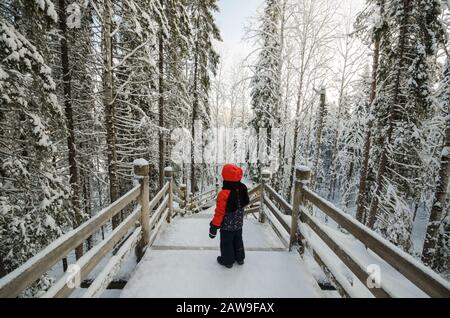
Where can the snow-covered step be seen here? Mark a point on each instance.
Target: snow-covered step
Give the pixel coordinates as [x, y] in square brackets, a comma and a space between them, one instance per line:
[193, 231]
[195, 273]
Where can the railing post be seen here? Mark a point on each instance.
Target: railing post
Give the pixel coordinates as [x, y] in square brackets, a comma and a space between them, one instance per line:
[141, 171]
[265, 175]
[302, 177]
[168, 175]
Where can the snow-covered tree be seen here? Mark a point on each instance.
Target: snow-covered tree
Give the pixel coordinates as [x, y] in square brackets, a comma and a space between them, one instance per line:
[265, 84]
[403, 103]
[34, 200]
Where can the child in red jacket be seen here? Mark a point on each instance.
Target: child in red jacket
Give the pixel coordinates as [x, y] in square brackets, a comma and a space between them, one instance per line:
[229, 216]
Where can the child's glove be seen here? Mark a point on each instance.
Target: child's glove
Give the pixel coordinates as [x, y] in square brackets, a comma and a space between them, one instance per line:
[212, 230]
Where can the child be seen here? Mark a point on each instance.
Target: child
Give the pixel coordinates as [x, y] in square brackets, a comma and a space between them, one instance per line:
[229, 216]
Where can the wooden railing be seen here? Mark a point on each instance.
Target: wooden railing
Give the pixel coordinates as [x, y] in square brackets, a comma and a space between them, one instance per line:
[287, 219]
[137, 231]
[199, 201]
[141, 227]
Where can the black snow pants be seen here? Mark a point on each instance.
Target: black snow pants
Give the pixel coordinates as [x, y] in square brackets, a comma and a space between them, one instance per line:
[231, 246]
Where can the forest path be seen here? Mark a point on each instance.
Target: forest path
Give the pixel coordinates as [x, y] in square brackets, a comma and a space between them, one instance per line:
[182, 264]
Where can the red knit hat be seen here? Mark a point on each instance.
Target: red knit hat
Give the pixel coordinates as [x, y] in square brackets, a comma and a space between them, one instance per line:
[232, 173]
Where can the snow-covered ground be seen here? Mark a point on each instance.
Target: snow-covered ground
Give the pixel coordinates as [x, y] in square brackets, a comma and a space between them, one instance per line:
[183, 263]
[196, 273]
[193, 231]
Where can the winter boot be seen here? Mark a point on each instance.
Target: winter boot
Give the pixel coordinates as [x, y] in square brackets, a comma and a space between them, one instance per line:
[219, 260]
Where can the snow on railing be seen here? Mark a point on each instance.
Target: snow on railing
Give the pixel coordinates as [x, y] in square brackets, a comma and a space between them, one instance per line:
[284, 219]
[143, 232]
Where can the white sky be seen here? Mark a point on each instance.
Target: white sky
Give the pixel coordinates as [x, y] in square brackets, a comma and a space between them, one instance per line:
[232, 19]
[234, 15]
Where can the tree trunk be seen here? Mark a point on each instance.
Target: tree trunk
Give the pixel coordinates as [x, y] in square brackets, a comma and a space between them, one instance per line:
[73, 167]
[296, 127]
[384, 154]
[318, 137]
[194, 115]
[161, 108]
[333, 172]
[362, 191]
[440, 196]
[278, 176]
[108, 102]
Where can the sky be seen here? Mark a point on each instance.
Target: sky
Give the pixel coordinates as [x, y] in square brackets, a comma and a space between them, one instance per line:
[232, 18]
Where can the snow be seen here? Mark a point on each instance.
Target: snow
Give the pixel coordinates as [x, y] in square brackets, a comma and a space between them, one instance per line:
[74, 17]
[391, 280]
[446, 152]
[303, 168]
[109, 293]
[140, 162]
[179, 274]
[193, 231]
[3, 74]
[50, 8]
[50, 222]
[39, 130]
[182, 263]
[388, 244]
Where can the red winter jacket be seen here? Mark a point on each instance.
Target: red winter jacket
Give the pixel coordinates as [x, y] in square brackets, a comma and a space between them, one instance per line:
[231, 173]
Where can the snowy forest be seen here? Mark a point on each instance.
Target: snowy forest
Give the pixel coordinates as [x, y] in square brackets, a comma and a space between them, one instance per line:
[361, 97]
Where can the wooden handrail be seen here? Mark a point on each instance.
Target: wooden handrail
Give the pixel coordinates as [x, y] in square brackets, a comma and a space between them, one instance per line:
[21, 278]
[89, 260]
[162, 193]
[15, 282]
[423, 277]
[201, 195]
[112, 268]
[277, 215]
[157, 214]
[343, 255]
[164, 213]
[279, 199]
[254, 190]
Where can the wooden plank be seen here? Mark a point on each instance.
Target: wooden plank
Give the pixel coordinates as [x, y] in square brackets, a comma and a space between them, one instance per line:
[106, 276]
[115, 284]
[252, 210]
[15, 282]
[179, 211]
[274, 211]
[157, 214]
[255, 199]
[348, 260]
[155, 232]
[278, 228]
[89, 260]
[177, 199]
[207, 203]
[202, 195]
[424, 278]
[144, 215]
[154, 202]
[254, 190]
[279, 199]
[341, 290]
